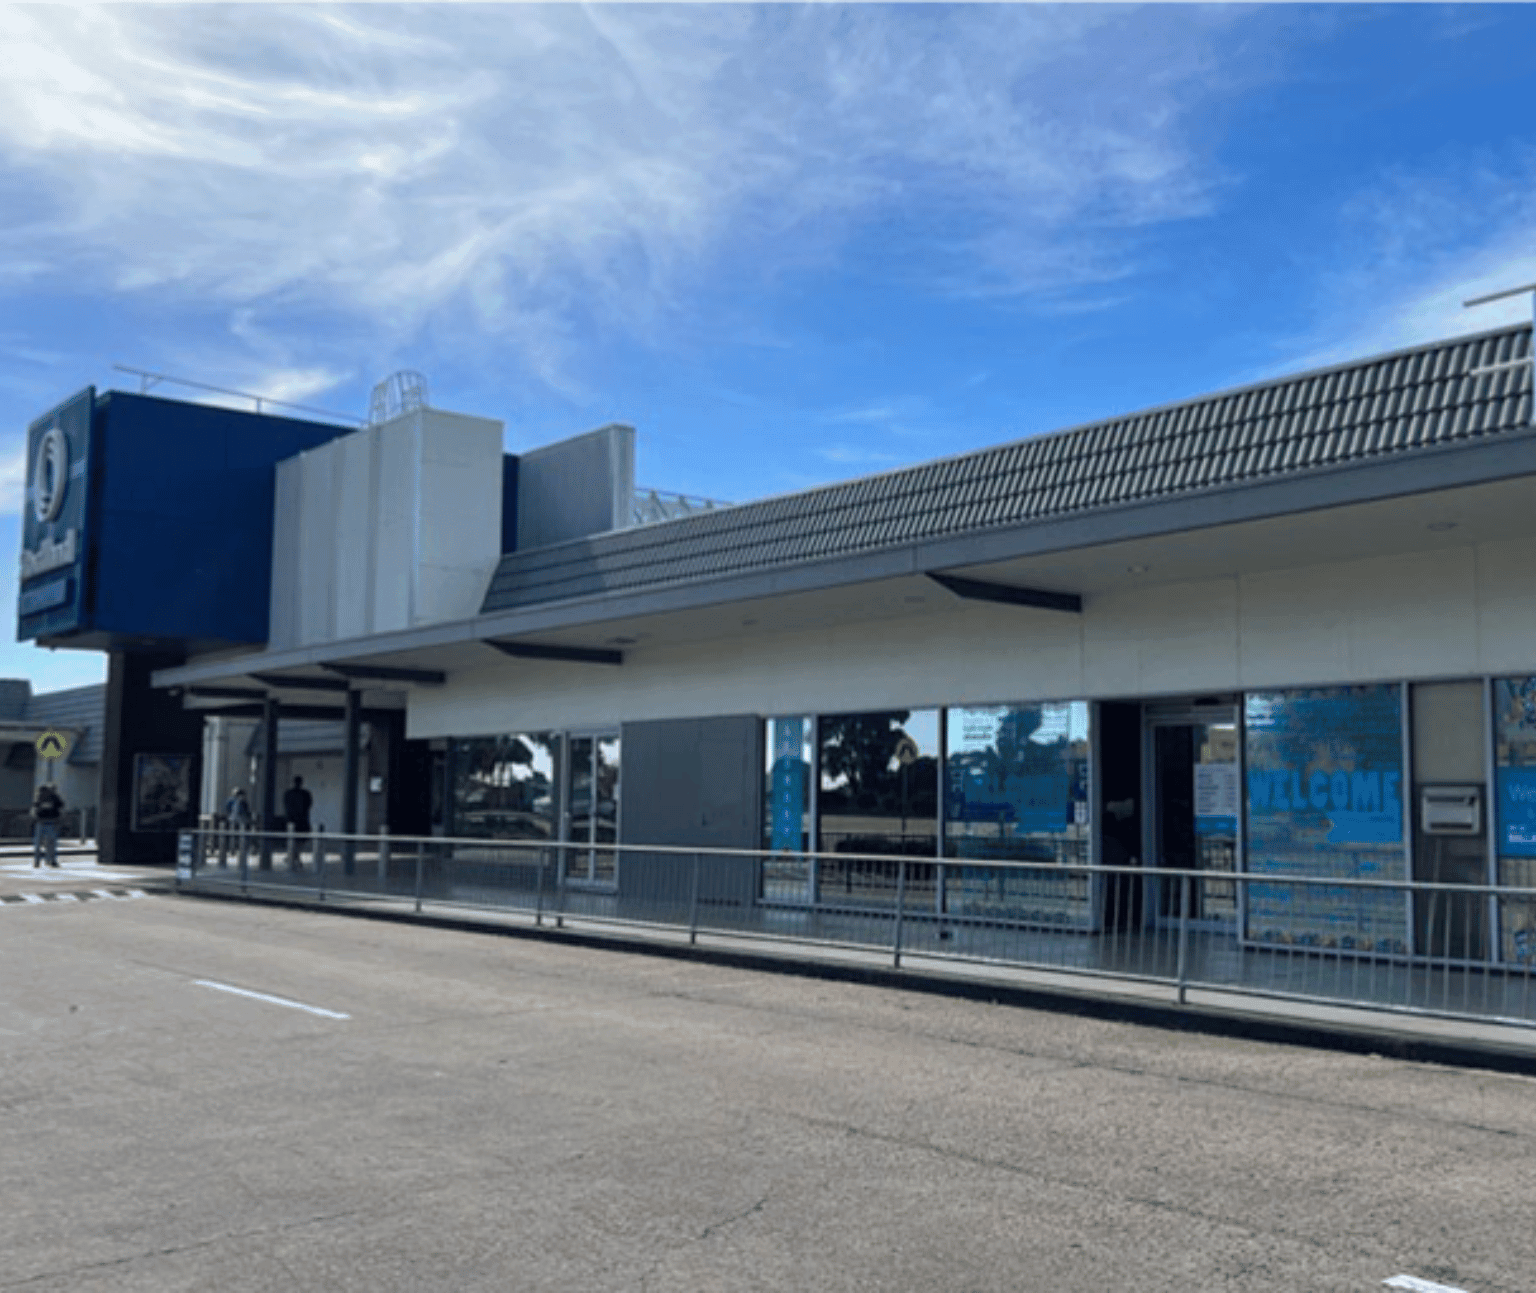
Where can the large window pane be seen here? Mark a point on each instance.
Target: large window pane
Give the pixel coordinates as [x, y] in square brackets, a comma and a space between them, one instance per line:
[1514, 701]
[878, 793]
[1325, 782]
[605, 808]
[1016, 789]
[504, 786]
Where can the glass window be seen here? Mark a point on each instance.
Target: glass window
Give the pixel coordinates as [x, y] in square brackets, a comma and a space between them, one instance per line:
[878, 793]
[1016, 789]
[1325, 784]
[504, 786]
[593, 791]
[1514, 721]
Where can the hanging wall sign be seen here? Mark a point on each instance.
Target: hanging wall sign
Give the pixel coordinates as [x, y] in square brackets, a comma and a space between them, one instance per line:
[53, 522]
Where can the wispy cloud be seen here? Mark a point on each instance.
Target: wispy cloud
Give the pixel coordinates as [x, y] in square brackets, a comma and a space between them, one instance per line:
[532, 173]
[13, 480]
[848, 455]
[1419, 244]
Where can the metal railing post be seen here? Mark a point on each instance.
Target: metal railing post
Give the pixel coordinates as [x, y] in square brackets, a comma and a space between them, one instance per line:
[560, 890]
[901, 912]
[319, 838]
[383, 863]
[693, 902]
[418, 879]
[540, 855]
[1183, 961]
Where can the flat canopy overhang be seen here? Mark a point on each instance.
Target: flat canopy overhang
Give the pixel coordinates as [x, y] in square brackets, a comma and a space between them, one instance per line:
[1445, 497]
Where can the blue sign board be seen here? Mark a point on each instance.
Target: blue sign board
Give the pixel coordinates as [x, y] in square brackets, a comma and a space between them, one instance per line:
[55, 512]
[1517, 812]
[787, 810]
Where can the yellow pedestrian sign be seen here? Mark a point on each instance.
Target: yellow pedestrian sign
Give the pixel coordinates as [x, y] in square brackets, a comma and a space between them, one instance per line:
[52, 745]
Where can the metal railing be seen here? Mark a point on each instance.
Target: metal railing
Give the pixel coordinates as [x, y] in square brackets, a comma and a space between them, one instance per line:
[76, 825]
[1446, 950]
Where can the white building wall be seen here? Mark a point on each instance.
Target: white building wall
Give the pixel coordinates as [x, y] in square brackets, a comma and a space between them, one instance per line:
[226, 761]
[397, 526]
[1452, 613]
[388, 528]
[1506, 605]
[353, 531]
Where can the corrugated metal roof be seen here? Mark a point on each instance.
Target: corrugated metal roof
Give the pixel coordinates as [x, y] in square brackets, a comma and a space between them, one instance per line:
[1470, 388]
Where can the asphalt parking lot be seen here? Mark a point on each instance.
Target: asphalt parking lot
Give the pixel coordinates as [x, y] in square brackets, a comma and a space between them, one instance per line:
[207, 1095]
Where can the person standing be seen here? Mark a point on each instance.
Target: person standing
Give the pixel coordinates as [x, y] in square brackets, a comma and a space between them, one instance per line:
[47, 809]
[237, 812]
[297, 802]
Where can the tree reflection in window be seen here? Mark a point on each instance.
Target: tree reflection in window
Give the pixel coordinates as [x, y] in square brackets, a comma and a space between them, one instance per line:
[504, 787]
[879, 778]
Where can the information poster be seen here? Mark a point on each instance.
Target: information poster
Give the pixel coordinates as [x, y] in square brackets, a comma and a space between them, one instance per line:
[1514, 705]
[162, 792]
[1325, 786]
[1217, 798]
[788, 777]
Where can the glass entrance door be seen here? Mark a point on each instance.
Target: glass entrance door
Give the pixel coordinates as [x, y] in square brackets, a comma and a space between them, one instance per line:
[1194, 768]
[592, 812]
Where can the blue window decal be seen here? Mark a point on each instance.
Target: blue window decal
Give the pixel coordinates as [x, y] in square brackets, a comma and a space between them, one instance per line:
[1325, 800]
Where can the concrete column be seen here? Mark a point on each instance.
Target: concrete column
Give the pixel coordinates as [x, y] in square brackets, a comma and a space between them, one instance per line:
[269, 802]
[142, 719]
[352, 758]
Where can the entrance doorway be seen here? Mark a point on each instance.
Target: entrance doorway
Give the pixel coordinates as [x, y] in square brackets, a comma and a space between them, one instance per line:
[1119, 778]
[1195, 799]
[592, 809]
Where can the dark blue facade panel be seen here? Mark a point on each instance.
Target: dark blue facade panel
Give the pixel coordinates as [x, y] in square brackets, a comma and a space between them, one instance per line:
[180, 525]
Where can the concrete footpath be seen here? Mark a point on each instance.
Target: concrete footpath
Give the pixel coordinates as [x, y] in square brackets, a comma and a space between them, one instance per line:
[78, 873]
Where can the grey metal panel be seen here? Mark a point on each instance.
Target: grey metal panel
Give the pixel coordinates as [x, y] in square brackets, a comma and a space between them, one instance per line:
[692, 782]
[15, 696]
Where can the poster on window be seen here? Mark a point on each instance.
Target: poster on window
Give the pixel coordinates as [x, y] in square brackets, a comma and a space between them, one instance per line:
[788, 777]
[162, 792]
[1325, 787]
[1016, 791]
[1514, 726]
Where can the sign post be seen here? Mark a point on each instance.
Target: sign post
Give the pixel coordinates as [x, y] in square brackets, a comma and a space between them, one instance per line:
[51, 746]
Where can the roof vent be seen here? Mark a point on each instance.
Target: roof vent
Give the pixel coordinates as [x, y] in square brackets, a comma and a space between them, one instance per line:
[402, 392]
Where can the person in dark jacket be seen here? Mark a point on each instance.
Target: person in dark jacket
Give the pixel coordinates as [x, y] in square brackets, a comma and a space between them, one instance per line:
[297, 803]
[47, 809]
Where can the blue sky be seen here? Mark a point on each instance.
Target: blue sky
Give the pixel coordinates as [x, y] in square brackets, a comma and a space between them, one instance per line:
[790, 244]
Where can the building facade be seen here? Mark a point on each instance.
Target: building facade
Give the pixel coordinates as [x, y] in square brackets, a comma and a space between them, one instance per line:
[1286, 631]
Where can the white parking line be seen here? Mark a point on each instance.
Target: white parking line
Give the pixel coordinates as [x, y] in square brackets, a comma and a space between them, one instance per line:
[276, 1001]
[1416, 1285]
